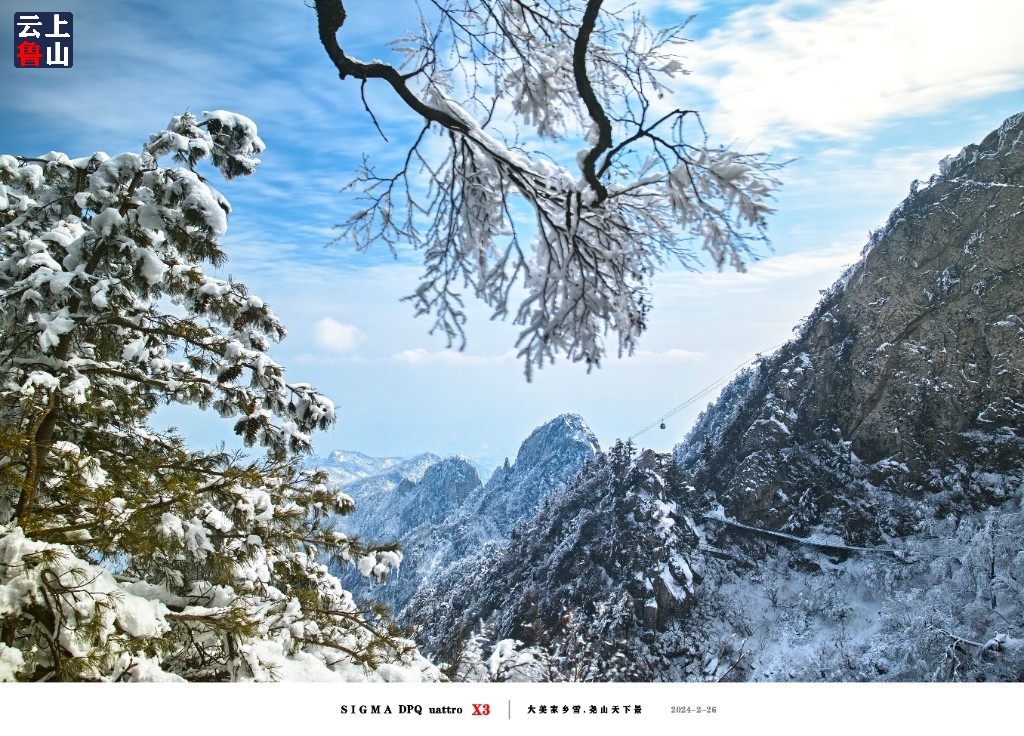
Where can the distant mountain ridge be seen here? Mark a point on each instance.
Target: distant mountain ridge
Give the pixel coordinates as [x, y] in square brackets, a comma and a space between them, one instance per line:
[445, 513]
[347, 466]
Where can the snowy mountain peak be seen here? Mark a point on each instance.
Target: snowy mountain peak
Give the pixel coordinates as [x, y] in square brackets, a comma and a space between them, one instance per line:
[447, 514]
[439, 494]
[563, 429]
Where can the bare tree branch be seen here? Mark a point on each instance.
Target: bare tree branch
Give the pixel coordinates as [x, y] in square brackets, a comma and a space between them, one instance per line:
[331, 17]
[586, 90]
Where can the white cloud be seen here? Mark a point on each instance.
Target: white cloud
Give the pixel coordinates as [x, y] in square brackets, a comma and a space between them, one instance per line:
[876, 173]
[422, 356]
[672, 355]
[821, 67]
[830, 260]
[822, 265]
[652, 7]
[337, 337]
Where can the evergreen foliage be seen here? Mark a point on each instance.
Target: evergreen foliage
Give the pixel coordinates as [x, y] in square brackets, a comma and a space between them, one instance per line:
[124, 553]
[595, 586]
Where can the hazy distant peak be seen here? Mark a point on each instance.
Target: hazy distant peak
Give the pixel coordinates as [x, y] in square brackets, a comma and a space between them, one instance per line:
[565, 428]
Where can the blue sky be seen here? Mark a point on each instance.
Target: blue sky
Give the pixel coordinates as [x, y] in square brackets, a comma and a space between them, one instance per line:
[863, 96]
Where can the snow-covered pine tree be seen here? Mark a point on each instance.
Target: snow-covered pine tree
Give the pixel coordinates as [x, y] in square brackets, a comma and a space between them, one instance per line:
[565, 167]
[124, 554]
[481, 659]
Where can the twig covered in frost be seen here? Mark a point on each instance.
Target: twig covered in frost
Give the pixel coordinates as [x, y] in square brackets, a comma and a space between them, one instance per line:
[491, 216]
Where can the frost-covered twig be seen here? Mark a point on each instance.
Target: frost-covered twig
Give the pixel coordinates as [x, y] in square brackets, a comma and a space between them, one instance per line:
[646, 180]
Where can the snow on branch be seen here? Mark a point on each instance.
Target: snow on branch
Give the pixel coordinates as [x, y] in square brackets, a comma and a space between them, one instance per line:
[125, 555]
[567, 249]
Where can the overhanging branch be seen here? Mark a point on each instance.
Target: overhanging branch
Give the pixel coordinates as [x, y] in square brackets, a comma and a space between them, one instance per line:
[330, 18]
[589, 97]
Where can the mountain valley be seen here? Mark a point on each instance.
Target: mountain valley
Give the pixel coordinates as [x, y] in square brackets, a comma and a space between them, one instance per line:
[849, 509]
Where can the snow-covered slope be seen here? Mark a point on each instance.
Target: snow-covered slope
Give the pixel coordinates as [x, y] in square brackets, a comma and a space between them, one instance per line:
[901, 397]
[592, 582]
[894, 421]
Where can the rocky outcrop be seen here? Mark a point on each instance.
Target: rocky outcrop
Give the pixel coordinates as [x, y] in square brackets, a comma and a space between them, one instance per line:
[437, 496]
[903, 394]
[546, 460]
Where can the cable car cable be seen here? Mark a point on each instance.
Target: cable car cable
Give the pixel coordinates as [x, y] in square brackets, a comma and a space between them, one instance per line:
[660, 422]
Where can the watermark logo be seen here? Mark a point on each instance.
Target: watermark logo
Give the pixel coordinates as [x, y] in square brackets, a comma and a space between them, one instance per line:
[43, 40]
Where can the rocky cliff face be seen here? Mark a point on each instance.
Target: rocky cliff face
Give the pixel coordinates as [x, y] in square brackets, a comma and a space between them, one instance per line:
[902, 396]
[546, 460]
